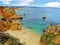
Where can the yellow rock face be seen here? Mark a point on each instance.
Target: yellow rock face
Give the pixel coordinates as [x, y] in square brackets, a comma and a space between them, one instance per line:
[9, 14]
[56, 40]
[15, 27]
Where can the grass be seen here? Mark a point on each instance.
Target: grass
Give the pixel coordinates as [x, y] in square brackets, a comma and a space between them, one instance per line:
[13, 41]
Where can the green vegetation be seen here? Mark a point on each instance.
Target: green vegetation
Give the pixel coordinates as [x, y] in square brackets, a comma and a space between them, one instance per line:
[47, 38]
[51, 36]
[7, 38]
[13, 41]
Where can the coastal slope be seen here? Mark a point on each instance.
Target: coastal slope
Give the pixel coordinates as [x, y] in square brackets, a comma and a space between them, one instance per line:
[24, 36]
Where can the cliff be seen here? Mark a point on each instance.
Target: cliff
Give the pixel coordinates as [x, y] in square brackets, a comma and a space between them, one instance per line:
[8, 19]
[51, 35]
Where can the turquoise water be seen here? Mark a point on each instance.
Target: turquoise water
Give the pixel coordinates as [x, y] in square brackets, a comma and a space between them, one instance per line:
[36, 27]
[33, 18]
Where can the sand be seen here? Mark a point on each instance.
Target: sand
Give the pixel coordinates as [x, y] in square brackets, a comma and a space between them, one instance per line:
[25, 37]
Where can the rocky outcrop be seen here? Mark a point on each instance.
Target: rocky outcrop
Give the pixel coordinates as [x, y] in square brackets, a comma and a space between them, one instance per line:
[9, 19]
[51, 35]
[6, 39]
[56, 40]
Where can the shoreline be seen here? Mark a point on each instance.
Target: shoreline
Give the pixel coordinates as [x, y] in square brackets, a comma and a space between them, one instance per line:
[32, 31]
[25, 36]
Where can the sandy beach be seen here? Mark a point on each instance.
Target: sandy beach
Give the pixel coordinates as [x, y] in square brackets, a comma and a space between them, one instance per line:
[25, 37]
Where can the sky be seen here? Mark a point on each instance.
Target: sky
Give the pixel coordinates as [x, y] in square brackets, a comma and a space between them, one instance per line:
[36, 3]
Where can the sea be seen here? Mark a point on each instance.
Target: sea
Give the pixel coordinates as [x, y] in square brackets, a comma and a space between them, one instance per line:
[32, 18]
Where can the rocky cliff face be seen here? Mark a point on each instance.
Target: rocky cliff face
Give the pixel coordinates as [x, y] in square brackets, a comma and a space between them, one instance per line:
[8, 19]
[51, 35]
